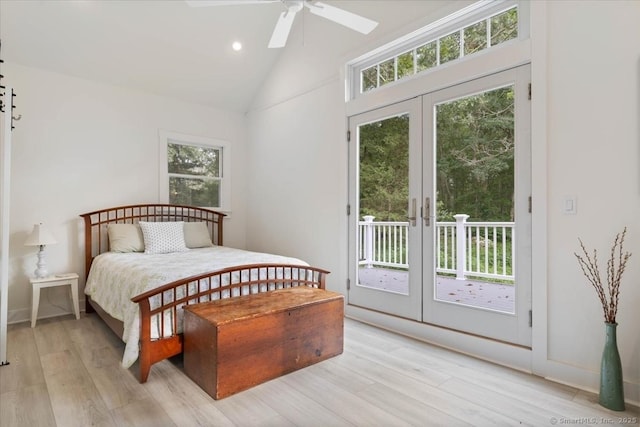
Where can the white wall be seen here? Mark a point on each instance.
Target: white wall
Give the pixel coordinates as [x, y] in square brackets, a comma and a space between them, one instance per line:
[593, 152]
[82, 146]
[586, 144]
[297, 182]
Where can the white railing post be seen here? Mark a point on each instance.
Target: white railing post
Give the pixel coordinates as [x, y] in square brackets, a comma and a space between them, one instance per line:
[368, 240]
[461, 246]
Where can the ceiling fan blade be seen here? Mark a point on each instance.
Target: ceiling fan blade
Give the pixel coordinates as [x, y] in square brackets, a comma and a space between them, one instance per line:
[206, 3]
[283, 27]
[343, 17]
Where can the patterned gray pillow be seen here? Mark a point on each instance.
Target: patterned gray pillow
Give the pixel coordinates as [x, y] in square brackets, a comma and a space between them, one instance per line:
[163, 237]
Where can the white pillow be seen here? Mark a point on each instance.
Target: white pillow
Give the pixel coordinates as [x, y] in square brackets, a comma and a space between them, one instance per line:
[125, 238]
[163, 237]
[196, 235]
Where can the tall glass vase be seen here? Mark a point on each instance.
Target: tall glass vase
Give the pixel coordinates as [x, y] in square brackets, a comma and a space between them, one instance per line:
[611, 386]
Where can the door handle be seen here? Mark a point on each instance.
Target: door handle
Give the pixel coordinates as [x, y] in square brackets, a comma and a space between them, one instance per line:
[412, 213]
[427, 211]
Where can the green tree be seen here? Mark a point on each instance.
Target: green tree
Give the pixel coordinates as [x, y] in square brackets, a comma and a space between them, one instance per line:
[193, 173]
[475, 153]
[384, 174]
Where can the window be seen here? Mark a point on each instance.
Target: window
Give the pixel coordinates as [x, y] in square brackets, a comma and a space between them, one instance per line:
[474, 29]
[194, 171]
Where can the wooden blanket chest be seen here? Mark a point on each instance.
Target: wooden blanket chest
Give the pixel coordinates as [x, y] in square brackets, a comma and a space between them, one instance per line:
[233, 344]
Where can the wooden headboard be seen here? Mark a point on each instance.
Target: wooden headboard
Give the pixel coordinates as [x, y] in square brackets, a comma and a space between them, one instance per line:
[95, 223]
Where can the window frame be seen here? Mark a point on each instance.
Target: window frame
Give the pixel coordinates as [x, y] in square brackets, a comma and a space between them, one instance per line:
[167, 137]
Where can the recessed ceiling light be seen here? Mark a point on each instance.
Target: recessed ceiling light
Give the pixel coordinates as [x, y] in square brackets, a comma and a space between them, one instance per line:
[236, 46]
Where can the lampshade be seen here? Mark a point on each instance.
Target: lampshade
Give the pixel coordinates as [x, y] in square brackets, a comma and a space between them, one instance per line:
[40, 236]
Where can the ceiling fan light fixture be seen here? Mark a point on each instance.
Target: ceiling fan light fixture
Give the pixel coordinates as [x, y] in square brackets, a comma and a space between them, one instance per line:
[285, 21]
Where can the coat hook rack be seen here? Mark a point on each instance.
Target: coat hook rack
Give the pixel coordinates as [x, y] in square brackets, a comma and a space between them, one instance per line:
[2, 88]
[11, 102]
[13, 106]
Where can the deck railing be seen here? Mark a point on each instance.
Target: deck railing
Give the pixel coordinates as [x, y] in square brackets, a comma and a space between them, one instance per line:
[479, 249]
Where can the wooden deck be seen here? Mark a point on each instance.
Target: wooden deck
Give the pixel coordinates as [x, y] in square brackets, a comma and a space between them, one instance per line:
[493, 296]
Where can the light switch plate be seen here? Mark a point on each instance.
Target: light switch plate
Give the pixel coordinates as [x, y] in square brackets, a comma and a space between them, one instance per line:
[569, 205]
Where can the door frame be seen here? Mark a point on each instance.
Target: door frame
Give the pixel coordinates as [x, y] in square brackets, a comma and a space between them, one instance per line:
[517, 329]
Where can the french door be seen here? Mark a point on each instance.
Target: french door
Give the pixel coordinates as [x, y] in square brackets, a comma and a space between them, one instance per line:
[440, 228]
[385, 189]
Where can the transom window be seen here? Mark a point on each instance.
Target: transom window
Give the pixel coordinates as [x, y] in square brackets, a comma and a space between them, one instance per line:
[194, 171]
[474, 29]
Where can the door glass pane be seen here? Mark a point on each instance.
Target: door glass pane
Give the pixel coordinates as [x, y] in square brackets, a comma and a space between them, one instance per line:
[383, 192]
[475, 194]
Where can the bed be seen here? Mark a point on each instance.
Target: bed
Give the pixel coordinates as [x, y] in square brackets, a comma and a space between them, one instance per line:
[140, 292]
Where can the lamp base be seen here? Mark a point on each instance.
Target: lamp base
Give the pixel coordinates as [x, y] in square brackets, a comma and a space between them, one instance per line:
[41, 272]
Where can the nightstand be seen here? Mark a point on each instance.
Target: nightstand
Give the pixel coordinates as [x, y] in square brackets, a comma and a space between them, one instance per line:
[68, 279]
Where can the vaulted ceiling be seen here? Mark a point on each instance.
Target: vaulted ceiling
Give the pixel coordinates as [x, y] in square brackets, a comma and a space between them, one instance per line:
[168, 48]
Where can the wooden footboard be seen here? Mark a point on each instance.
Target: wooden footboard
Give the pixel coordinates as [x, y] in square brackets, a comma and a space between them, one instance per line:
[161, 308]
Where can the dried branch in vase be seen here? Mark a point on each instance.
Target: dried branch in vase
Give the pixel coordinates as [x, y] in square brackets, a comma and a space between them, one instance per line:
[615, 268]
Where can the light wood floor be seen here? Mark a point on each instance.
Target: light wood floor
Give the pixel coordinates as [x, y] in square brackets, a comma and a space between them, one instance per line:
[66, 372]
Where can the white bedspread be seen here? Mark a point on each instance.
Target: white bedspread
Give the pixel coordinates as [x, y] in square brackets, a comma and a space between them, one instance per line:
[115, 278]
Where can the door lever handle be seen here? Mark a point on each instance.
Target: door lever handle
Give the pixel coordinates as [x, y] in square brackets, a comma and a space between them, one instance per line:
[427, 212]
[412, 213]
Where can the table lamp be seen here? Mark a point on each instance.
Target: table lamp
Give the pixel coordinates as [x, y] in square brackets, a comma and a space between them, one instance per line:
[40, 236]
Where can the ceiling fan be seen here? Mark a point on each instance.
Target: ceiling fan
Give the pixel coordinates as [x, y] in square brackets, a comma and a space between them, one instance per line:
[283, 26]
